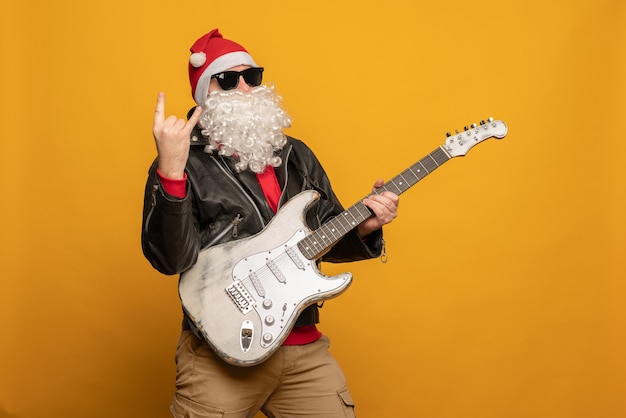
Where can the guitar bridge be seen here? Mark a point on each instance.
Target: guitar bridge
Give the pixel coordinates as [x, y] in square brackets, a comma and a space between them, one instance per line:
[240, 295]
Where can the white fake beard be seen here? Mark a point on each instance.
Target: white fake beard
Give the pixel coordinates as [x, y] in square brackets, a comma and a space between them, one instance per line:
[248, 126]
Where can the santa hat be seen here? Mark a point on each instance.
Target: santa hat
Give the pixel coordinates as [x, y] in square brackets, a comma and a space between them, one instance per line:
[212, 54]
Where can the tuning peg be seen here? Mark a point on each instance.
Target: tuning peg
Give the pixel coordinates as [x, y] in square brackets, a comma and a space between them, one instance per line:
[482, 122]
[490, 120]
[465, 128]
[474, 125]
[448, 134]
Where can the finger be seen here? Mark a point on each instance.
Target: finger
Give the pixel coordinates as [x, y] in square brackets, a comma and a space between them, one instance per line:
[378, 183]
[391, 197]
[179, 125]
[160, 109]
[379, 215]
[193, 120]
[374, 205]
[385, 197]
[380, 204]
[383, 207]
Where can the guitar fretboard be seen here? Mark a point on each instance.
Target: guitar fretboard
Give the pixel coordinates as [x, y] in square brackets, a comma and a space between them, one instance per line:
[318, 242]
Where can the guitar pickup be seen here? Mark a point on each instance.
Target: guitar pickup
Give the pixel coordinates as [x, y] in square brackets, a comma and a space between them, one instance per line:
[256, 282]
[293, 254]
[276, 271]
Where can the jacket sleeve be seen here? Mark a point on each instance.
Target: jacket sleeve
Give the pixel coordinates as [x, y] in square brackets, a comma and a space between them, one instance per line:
[350, 247]
[353, 248]
[169, 235]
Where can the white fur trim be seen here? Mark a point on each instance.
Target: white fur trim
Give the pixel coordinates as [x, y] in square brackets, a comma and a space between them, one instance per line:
[218, 65]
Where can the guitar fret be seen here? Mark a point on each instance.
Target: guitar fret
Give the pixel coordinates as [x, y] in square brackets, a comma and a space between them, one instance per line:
[429, 163]
[409, 177]
[325, 237]
[396, 185]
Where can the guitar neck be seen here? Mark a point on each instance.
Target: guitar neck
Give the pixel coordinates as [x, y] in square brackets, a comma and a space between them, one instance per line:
[321, 240]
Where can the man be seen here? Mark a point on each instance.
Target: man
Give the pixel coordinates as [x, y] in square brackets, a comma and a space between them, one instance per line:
[219, 177]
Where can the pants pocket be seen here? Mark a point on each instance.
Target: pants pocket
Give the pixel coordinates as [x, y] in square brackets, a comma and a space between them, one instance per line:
[186, 408]
[347, 401]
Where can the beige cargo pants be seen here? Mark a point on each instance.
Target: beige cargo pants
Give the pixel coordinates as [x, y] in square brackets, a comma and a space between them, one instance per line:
[302, 381]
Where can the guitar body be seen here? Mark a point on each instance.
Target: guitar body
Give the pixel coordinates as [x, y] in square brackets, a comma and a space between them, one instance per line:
[244, 296]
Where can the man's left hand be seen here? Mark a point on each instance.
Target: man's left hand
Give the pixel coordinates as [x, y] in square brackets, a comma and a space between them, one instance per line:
[385, 208]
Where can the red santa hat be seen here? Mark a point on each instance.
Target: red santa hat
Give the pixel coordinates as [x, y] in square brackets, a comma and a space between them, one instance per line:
[212, 54]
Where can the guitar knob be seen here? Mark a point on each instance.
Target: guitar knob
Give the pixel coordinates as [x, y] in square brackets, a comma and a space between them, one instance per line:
[267, 303]
[267, 338]
[269, 320]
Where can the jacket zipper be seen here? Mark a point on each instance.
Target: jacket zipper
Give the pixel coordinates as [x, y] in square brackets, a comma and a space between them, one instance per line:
[233, 228]
[284, 168]
[152, 205]
[235, 223]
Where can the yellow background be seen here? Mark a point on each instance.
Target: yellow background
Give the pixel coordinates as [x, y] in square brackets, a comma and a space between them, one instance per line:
[504, 291]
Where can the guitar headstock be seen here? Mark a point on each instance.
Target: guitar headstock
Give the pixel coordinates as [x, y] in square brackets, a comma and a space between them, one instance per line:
[460, 143]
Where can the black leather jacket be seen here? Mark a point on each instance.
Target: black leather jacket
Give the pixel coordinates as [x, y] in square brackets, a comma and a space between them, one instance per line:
[222, 205]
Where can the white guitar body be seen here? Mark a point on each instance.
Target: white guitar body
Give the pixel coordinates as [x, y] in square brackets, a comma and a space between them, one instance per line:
[245, 296]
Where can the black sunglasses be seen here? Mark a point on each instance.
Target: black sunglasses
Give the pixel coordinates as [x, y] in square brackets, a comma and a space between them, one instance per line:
[229, 80]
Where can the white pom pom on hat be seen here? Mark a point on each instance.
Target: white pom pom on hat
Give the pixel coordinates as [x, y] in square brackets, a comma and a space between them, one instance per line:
[212, 54]
[197, 59]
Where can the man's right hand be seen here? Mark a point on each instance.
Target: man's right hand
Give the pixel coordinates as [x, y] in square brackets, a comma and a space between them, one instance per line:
[172, 137]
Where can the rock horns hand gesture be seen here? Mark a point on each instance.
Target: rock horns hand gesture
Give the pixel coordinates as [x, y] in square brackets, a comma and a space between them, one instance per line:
[172, 137]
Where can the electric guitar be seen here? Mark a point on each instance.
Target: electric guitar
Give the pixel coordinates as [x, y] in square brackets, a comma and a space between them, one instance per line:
[244, 296]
